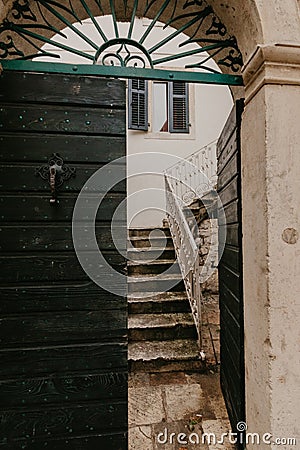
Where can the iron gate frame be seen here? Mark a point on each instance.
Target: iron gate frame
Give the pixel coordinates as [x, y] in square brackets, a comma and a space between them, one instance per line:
[123, 72]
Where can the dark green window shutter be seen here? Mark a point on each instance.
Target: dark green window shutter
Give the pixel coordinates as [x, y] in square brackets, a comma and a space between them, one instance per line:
[138, 104]
[178, 107]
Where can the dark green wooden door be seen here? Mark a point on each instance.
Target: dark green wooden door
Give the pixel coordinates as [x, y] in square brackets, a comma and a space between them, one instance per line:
[230, 268]
[63, 371]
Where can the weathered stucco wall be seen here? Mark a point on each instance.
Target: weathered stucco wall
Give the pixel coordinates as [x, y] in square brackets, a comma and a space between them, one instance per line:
[271, 205]
[283, 201]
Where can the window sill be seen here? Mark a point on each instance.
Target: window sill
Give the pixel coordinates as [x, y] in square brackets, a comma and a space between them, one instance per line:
[166, 136]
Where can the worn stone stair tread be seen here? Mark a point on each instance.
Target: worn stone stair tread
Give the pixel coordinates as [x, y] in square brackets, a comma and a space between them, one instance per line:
[149, 303]
[155, 297]
[146, 231]
[148, 238]
[150, 321]
[140, 251]
[176, 350]
[150, 249]
[150, 277]
[151, 253]
[152, 263]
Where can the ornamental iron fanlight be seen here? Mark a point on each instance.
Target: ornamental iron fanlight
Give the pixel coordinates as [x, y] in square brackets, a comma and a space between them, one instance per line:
[31, 23]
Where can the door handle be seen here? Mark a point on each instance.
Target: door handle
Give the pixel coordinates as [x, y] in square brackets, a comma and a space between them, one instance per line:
[56, 172]
[52, 184]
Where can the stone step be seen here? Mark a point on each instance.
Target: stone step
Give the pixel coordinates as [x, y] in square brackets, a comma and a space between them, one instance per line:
[150, 303]
[169, 356]
[161, 331]
[160, 327]
[156, 241]
[155, 283]
[153, 267]
[146, 231]
[151, 253]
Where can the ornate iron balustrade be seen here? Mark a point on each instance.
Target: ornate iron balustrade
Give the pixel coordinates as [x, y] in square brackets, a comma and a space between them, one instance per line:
[187, 253]
[185, 182]
[195, 175]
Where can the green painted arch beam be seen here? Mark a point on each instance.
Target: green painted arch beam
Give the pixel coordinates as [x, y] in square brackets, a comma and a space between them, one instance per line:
[124, 72]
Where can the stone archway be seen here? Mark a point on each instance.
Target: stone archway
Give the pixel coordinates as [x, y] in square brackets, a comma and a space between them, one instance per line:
[268, 37]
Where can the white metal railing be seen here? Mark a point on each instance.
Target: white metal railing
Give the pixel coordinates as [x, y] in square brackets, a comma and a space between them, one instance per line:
[195, 175]
[185, 182]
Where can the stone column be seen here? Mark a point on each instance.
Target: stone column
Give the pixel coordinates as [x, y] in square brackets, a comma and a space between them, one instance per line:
[271, 246]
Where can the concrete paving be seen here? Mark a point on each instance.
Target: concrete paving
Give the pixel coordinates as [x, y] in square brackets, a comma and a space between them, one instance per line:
[172, 410]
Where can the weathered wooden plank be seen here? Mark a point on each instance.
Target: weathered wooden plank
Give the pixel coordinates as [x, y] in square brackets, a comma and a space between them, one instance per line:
[72, 327]
[234, 386]
[232, 235]
[228, 172]
[230, 278]
[229, 193]
[228, 152]
[231, 257]
[233, 393]
[232, 328]
[115, 441]
[227, 131]
[229, 400]
[23, 178]
[62, 421]
[64, 360]
[53, 238]
[231, 302]
[231, 213]
[73, 149]
[77, 296]
[64, 120]
[233, 371]
[62, 89]
[34, 207]
[55, 267]
[63, 390]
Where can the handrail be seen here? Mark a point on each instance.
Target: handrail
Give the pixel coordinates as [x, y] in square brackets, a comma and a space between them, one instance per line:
[195, 175]
[185, 182]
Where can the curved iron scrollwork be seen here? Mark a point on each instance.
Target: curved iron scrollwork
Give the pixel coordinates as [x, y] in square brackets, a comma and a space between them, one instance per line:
[122, 56]
[30, 21]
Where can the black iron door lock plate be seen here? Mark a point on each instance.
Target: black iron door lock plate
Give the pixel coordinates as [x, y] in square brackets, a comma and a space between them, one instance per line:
[56, 172]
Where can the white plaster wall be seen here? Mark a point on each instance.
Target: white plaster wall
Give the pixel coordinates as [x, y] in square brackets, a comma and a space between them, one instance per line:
[209, 108]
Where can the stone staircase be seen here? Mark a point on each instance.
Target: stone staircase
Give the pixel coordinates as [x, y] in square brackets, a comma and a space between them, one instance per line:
[162, 334]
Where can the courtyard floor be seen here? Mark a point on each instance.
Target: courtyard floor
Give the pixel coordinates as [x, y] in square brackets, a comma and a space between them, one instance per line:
[176, 402]
[162, 403]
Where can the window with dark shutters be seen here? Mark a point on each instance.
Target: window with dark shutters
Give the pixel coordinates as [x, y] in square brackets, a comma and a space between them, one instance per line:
[178, 107]
[138, 104]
